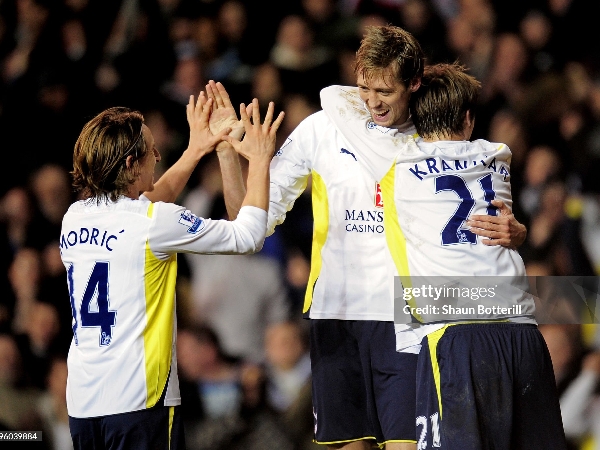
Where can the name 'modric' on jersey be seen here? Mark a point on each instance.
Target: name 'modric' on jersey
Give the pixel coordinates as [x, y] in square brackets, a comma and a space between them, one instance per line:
[89, 236]
[438, 165]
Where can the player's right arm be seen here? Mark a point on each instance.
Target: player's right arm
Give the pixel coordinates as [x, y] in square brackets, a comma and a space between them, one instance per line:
[223, 116]
[291, 167]
[177, 230]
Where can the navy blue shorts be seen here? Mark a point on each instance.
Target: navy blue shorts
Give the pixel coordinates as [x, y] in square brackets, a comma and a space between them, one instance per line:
[156, 428]
[487, 386]
[362, 388]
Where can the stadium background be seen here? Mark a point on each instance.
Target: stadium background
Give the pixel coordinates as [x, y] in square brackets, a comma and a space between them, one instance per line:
[61, 62]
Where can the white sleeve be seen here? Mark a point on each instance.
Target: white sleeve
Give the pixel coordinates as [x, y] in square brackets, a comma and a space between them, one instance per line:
[290, 168]
[176, 230]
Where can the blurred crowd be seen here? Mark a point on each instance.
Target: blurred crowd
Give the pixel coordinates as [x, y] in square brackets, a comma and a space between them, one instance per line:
[243, 361]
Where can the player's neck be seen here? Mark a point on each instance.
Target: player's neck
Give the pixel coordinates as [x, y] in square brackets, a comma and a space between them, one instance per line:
[444, 136]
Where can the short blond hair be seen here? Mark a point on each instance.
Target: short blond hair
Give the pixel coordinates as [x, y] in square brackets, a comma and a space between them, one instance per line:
[393, 47]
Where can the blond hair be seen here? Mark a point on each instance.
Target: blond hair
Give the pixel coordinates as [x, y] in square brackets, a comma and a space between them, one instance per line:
[393, 47]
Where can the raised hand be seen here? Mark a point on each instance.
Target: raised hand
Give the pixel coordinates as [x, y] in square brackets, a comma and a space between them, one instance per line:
[223, 113]
[259, 141]
[202, 139]
[502, 230]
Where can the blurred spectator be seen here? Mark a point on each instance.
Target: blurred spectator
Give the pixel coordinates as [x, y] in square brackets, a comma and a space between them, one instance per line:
[590, 229]
[289, 381]
[187, 79]
[24, 275]
[16, 213]
[53, 194]
[555, 236]
[17, 402]
[288, 364]
[215, 377]
[222, 401]
[536, 29]
[297, 108]
[38, 343]
[200, 199]
[504, 80]
[566, 349]
[541, 167]
[470, 37]
[330, 28]
[52, 407]
[266, 85]
[53, 291]
[231, 66]
[169, 142]
[420, 18]
[237, 295]
[305, 68]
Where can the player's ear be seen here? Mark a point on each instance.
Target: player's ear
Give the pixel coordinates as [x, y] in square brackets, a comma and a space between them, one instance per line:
[469, 124]
[129, 161]
[415, 84]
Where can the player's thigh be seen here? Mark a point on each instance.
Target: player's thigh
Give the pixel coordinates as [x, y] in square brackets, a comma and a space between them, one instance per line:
[538, 421]
[452, 411]
[340, 404]
[157, 428]
[394, 387]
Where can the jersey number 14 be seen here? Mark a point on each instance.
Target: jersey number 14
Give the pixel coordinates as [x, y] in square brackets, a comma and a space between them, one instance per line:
[97, 287]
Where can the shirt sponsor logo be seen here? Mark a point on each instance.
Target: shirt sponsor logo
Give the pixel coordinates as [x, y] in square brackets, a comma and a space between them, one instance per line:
[193, 222]
[364, 221]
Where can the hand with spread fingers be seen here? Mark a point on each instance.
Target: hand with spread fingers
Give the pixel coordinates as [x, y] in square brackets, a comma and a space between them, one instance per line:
[259, 141]
[502, 230]
[223, 113]
[202, 139]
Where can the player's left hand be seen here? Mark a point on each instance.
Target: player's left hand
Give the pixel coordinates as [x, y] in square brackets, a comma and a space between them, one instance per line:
[202, 140]
[502, 230]
[259, 141]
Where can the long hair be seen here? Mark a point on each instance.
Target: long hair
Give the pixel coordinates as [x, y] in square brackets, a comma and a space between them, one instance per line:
[101, 151]
[440, 105]
[390, 46]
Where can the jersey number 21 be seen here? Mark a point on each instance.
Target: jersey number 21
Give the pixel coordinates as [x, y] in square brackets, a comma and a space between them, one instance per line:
[452, 232]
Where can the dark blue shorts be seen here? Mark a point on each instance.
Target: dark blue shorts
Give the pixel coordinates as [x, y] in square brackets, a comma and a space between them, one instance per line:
[156, 428]
[487, 386]
[362, 388]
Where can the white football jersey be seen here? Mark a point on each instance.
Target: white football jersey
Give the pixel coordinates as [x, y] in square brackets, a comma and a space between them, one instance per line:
[429, 193]
[351, 266]
[121, 268]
